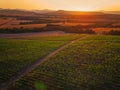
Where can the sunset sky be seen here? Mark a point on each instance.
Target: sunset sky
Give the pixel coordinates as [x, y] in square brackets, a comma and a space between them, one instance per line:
[78, 5]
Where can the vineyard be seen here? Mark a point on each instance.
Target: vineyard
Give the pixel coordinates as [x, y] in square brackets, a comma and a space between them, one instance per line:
[17, 54]
[91, 63]
[60, 45]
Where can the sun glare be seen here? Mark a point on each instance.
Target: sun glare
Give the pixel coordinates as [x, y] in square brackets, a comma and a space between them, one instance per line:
[82, 9]
[74, 5]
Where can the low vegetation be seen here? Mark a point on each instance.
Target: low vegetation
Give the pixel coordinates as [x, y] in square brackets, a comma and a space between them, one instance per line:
[17, 54]
[89, 64]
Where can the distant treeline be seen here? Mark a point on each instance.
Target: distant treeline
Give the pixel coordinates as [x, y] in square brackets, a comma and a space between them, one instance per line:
[70, 29]
[112, 32]
[94, 25]
[67, 29]
[18, 30]
[41, 21]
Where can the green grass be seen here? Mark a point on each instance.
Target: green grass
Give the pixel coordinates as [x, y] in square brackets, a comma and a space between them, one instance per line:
[16, 54]
[89, 64]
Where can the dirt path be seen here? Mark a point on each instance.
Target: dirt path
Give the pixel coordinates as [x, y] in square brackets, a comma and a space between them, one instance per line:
[6, 85]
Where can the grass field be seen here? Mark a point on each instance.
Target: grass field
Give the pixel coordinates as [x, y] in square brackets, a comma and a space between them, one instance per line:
[92, 63]
[16, 54]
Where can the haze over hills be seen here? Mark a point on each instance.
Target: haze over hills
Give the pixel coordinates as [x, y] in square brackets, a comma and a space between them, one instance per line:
[14, 11]
[43, 11]
[63, 12]
[54, 12]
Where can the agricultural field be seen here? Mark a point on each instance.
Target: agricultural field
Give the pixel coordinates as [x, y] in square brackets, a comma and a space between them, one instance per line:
[11, 23]
[4, 21]
[116, 24]
[90, 63]
[72, 24]
[101, 30]
[18, 53]
[11, 26]
[60, 45]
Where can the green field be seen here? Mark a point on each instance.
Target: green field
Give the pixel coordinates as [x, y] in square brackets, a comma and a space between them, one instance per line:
[92, 63]
[17, 54]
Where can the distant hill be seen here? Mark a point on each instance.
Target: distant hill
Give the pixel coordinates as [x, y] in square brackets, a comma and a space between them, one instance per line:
[21, 11]
[15, 11]
[53, 12]
[43, 11]
[62, 12]
[47, 11]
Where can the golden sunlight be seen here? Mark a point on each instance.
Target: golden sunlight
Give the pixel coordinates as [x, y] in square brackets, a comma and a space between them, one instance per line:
[76, 5]
[83, 9]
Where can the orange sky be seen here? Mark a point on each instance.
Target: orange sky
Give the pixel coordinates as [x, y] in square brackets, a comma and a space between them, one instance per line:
[78, 5]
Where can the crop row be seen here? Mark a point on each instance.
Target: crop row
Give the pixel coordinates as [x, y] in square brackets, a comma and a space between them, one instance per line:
[17, 54]
[92, 63]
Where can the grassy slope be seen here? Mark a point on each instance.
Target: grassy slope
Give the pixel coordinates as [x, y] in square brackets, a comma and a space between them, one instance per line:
[16, 54]
[89, 64]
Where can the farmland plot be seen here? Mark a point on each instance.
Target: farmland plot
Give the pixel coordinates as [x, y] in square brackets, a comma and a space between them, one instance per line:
[89, 64]
[17, 54]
